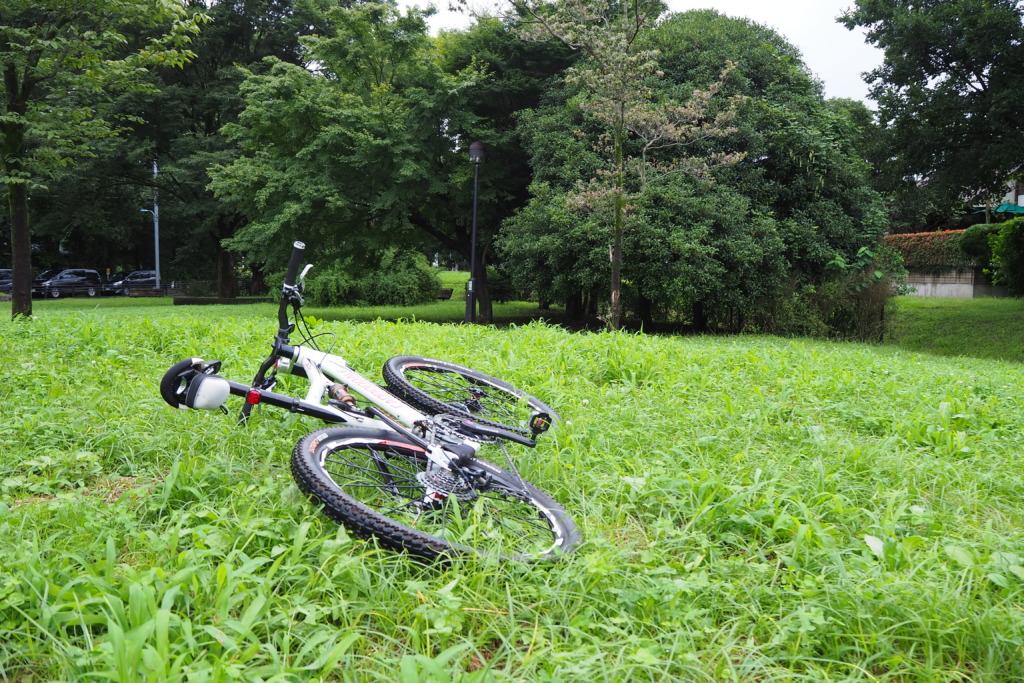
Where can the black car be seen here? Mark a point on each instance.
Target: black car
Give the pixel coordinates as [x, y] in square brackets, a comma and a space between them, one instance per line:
[6, 276]
[68, 282]
[110, 284]
[140, 279]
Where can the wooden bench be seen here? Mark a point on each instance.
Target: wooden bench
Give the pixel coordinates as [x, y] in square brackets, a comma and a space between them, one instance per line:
[445, 293]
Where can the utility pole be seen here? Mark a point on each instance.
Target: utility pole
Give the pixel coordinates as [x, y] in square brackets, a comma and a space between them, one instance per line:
[156, 227]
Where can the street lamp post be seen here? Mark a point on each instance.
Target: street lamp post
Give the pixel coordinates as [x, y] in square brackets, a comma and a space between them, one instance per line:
[156, 238]
[156, 230]
[476, 156]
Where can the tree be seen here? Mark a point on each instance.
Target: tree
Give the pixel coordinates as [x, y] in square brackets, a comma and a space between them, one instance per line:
[199, 100]
[725, 254]
[93, 207]
[342, 155]
[948, 95]
[803, 169]
[369, 150]
[642, 138]
[513, 76]
[58, 61]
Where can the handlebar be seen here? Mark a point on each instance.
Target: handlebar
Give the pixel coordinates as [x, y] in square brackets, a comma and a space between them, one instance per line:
[293, 265]
[284, 329]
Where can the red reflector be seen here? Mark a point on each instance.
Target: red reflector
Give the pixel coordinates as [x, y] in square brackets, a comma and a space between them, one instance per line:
[253, 397]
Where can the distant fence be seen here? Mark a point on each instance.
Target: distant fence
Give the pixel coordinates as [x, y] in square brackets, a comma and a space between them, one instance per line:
[192, 288]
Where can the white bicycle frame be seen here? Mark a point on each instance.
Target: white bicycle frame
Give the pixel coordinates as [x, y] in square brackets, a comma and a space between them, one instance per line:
[325, 369]
[321, 368]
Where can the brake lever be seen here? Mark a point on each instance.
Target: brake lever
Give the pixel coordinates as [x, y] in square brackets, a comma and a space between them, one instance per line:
[302, 276]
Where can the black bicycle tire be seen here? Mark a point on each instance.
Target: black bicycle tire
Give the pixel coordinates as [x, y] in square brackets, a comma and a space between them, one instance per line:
[317, 484]
[394, 377]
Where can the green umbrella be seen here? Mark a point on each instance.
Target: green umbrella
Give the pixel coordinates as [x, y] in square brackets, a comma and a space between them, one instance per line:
[1008, 208]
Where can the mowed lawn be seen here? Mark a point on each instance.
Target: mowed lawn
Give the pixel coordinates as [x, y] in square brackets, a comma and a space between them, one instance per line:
[753, 509]
[977, 328]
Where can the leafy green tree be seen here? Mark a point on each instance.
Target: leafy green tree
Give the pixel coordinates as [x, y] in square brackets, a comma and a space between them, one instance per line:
[514, 74]
[181, 117]
[344, 154]
[199, 101]
[722, 254]
[642, 138]
[803, 169]
[59, 60]
[948, 95]
[369, 149]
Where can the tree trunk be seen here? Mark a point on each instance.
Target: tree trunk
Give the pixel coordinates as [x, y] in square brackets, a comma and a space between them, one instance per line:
[21, 251]
[700, 317]
[574, 306]
[615, 250]
[258, 279]
[485, 309]
[226, 286]
[644, 311]
[12, 150]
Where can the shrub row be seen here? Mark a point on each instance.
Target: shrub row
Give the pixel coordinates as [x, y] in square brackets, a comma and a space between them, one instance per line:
[931, 251]
[1008, 255]
[998, 248]
[393, 277]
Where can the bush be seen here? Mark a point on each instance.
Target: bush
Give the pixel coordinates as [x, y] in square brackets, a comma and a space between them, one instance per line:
[500, 286]
[1008, 255]
[331, 285]
[974, 242]
[931, 251]
[394, 278]
[402, 278]
[853, 303]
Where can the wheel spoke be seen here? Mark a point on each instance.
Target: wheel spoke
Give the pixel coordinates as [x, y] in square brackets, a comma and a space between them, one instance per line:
[453, 388]
[378, 485]
[499, 519]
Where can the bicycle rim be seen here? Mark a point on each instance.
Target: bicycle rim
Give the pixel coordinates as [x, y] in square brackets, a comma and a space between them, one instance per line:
[441, 387]
[379, 486]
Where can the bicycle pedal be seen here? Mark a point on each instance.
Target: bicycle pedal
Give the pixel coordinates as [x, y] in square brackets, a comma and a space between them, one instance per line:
[540, 423]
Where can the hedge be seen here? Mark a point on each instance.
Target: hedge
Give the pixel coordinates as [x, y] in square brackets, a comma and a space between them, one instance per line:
[1008, 256]
[931, 251]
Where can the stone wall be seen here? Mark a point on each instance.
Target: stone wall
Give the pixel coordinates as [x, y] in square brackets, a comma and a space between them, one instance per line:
[971, 283]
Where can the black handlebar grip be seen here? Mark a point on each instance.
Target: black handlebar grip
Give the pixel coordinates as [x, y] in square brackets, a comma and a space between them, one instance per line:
[293, 266]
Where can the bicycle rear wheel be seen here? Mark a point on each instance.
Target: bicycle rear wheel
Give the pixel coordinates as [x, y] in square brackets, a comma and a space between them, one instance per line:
[376, 484]
[439, 387]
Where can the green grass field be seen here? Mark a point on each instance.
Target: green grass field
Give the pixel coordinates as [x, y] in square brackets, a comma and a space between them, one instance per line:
[977, 328]
[753, 509]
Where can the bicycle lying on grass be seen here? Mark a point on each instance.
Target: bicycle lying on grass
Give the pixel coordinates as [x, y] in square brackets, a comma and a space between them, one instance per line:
[405, 467]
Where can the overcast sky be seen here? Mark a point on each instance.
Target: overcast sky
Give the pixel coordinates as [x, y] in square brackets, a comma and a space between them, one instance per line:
[835, 55]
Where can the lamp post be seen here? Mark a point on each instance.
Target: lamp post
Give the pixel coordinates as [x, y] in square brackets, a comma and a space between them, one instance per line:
[476, 156]
[156, 231]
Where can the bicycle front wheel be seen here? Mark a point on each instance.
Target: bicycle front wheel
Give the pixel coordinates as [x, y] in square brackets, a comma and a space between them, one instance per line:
[439, 387]
[380, 486]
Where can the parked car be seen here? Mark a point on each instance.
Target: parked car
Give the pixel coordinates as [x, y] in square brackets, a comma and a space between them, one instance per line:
[140, 279]
[37, 282]
[67, 282]
[6, 276]
[114, 279]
